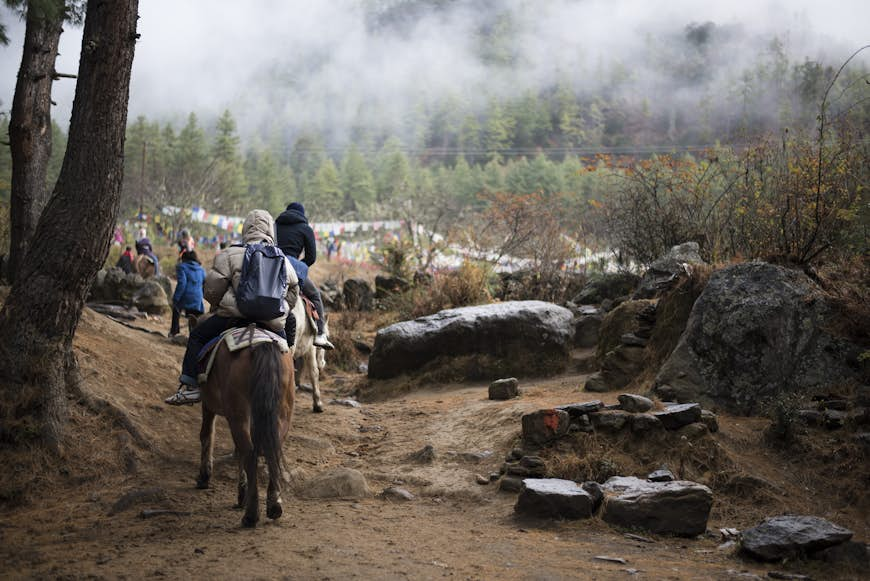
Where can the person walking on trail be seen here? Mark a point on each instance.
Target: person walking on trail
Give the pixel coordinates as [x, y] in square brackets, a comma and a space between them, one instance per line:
[188, 290]
[296, 239]
[221, 285]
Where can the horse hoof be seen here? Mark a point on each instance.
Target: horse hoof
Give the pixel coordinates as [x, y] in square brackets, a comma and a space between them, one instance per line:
[275, 511]
[249, 522]
[202, 483]
[318, 409]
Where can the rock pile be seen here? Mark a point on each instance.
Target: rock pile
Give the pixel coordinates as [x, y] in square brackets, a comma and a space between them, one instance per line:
[634, 413]
[626, 360]
[114, 286]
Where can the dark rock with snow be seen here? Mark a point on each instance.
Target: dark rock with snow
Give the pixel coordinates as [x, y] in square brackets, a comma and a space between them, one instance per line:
[645, 423]
[635, 403]
[661, 475]
[784, 537]
[610, 421]
[679, 507]
[554, 498]
[357, 295]
[756, 331]
[667, 270]
[677, 416]
[502, 389]
[544, 426]
[536, 332]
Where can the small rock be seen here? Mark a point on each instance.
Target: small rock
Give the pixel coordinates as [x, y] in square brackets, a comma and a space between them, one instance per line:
[351, 403]
[137, 497]
[594, 490]
[710, 420]
[661, 475]
[595, 383]
[396, 493]
[581, 424]
[503, 389]
[678, 508]
[784, 575]
[532, 462]
[199, 551]
[834, 419]
[363, 368]
[511, 484]
[426, 455]
[677, 416]
[694, 431]
[554, 498]
[635, 403]
[481, 479]
[638, 538]
[493, 476]
[514, 454]
[337, 483]
[783, 537]
[811, 417]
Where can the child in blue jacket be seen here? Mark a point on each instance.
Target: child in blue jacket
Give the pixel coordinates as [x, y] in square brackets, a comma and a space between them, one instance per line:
[188, 291]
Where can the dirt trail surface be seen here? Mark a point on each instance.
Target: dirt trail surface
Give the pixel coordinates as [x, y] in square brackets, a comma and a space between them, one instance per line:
[453, 528]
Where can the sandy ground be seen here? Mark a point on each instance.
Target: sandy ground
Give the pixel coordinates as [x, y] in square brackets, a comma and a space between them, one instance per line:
[453, 528]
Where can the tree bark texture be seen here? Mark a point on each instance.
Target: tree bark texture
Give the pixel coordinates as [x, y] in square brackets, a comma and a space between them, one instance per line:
[30, 130]
[72, 238]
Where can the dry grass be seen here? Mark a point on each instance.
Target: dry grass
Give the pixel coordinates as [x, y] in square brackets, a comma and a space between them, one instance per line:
[465, 286]
[847, 283]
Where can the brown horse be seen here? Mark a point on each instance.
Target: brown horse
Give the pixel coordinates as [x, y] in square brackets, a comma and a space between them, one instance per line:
[253, 389]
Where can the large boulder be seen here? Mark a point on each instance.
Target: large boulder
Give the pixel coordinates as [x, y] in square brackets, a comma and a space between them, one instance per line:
[677, 508]
[667, 270]
[784, 537]
[610, 285]
[755, 332]
[533, 336]
[114, 285]
[386, 286]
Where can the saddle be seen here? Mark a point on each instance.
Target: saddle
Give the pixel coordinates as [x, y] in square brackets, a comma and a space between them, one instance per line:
[236, 339]
[310, 311]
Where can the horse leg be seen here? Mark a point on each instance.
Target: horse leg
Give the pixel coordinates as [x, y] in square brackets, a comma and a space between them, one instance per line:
[241, 431]
[206, 438]
[243, 481]
[273, 496]
[314, 374]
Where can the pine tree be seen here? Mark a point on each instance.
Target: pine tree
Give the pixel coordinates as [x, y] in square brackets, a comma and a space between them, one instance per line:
[323, 191]
[357, 181]
[230, 189]
[499, 132]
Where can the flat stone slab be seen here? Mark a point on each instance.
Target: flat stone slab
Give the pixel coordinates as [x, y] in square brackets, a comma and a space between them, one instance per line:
[678, 508]
[581, 409]
[554, 498]
[677, 416]
[782, 537]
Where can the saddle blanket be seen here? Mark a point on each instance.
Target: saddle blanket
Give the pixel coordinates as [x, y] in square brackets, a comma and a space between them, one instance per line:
[236, 339]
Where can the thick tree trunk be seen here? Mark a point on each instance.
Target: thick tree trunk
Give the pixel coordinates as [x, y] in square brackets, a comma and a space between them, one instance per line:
[30, 130]
[72, 239]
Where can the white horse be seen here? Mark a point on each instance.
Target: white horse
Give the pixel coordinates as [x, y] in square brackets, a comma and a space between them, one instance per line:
[313, 359]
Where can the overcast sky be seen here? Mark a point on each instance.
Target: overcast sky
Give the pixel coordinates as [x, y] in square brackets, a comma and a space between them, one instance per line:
[207, 56]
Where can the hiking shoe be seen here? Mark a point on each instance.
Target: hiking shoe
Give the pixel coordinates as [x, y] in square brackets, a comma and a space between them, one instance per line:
[322, 341]
[186, 394]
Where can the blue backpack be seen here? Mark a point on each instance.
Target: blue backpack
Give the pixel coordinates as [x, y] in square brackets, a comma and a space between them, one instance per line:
[263, 283]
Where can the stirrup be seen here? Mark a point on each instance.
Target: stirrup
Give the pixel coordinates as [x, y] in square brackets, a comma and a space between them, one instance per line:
[323, 342]
[186, 395]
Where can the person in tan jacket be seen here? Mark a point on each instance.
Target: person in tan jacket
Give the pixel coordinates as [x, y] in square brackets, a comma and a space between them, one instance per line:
[220, 291]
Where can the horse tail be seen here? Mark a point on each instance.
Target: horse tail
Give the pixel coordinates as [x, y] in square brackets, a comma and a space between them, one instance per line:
[267, 393]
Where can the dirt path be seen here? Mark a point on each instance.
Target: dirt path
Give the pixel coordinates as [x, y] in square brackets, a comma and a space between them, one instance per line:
[454, 527]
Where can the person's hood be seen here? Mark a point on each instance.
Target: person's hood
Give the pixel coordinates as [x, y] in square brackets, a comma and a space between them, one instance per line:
[291, 217]
[258, 227]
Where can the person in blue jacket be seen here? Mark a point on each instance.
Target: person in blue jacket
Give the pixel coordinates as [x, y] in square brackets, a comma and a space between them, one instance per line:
[188, 291]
